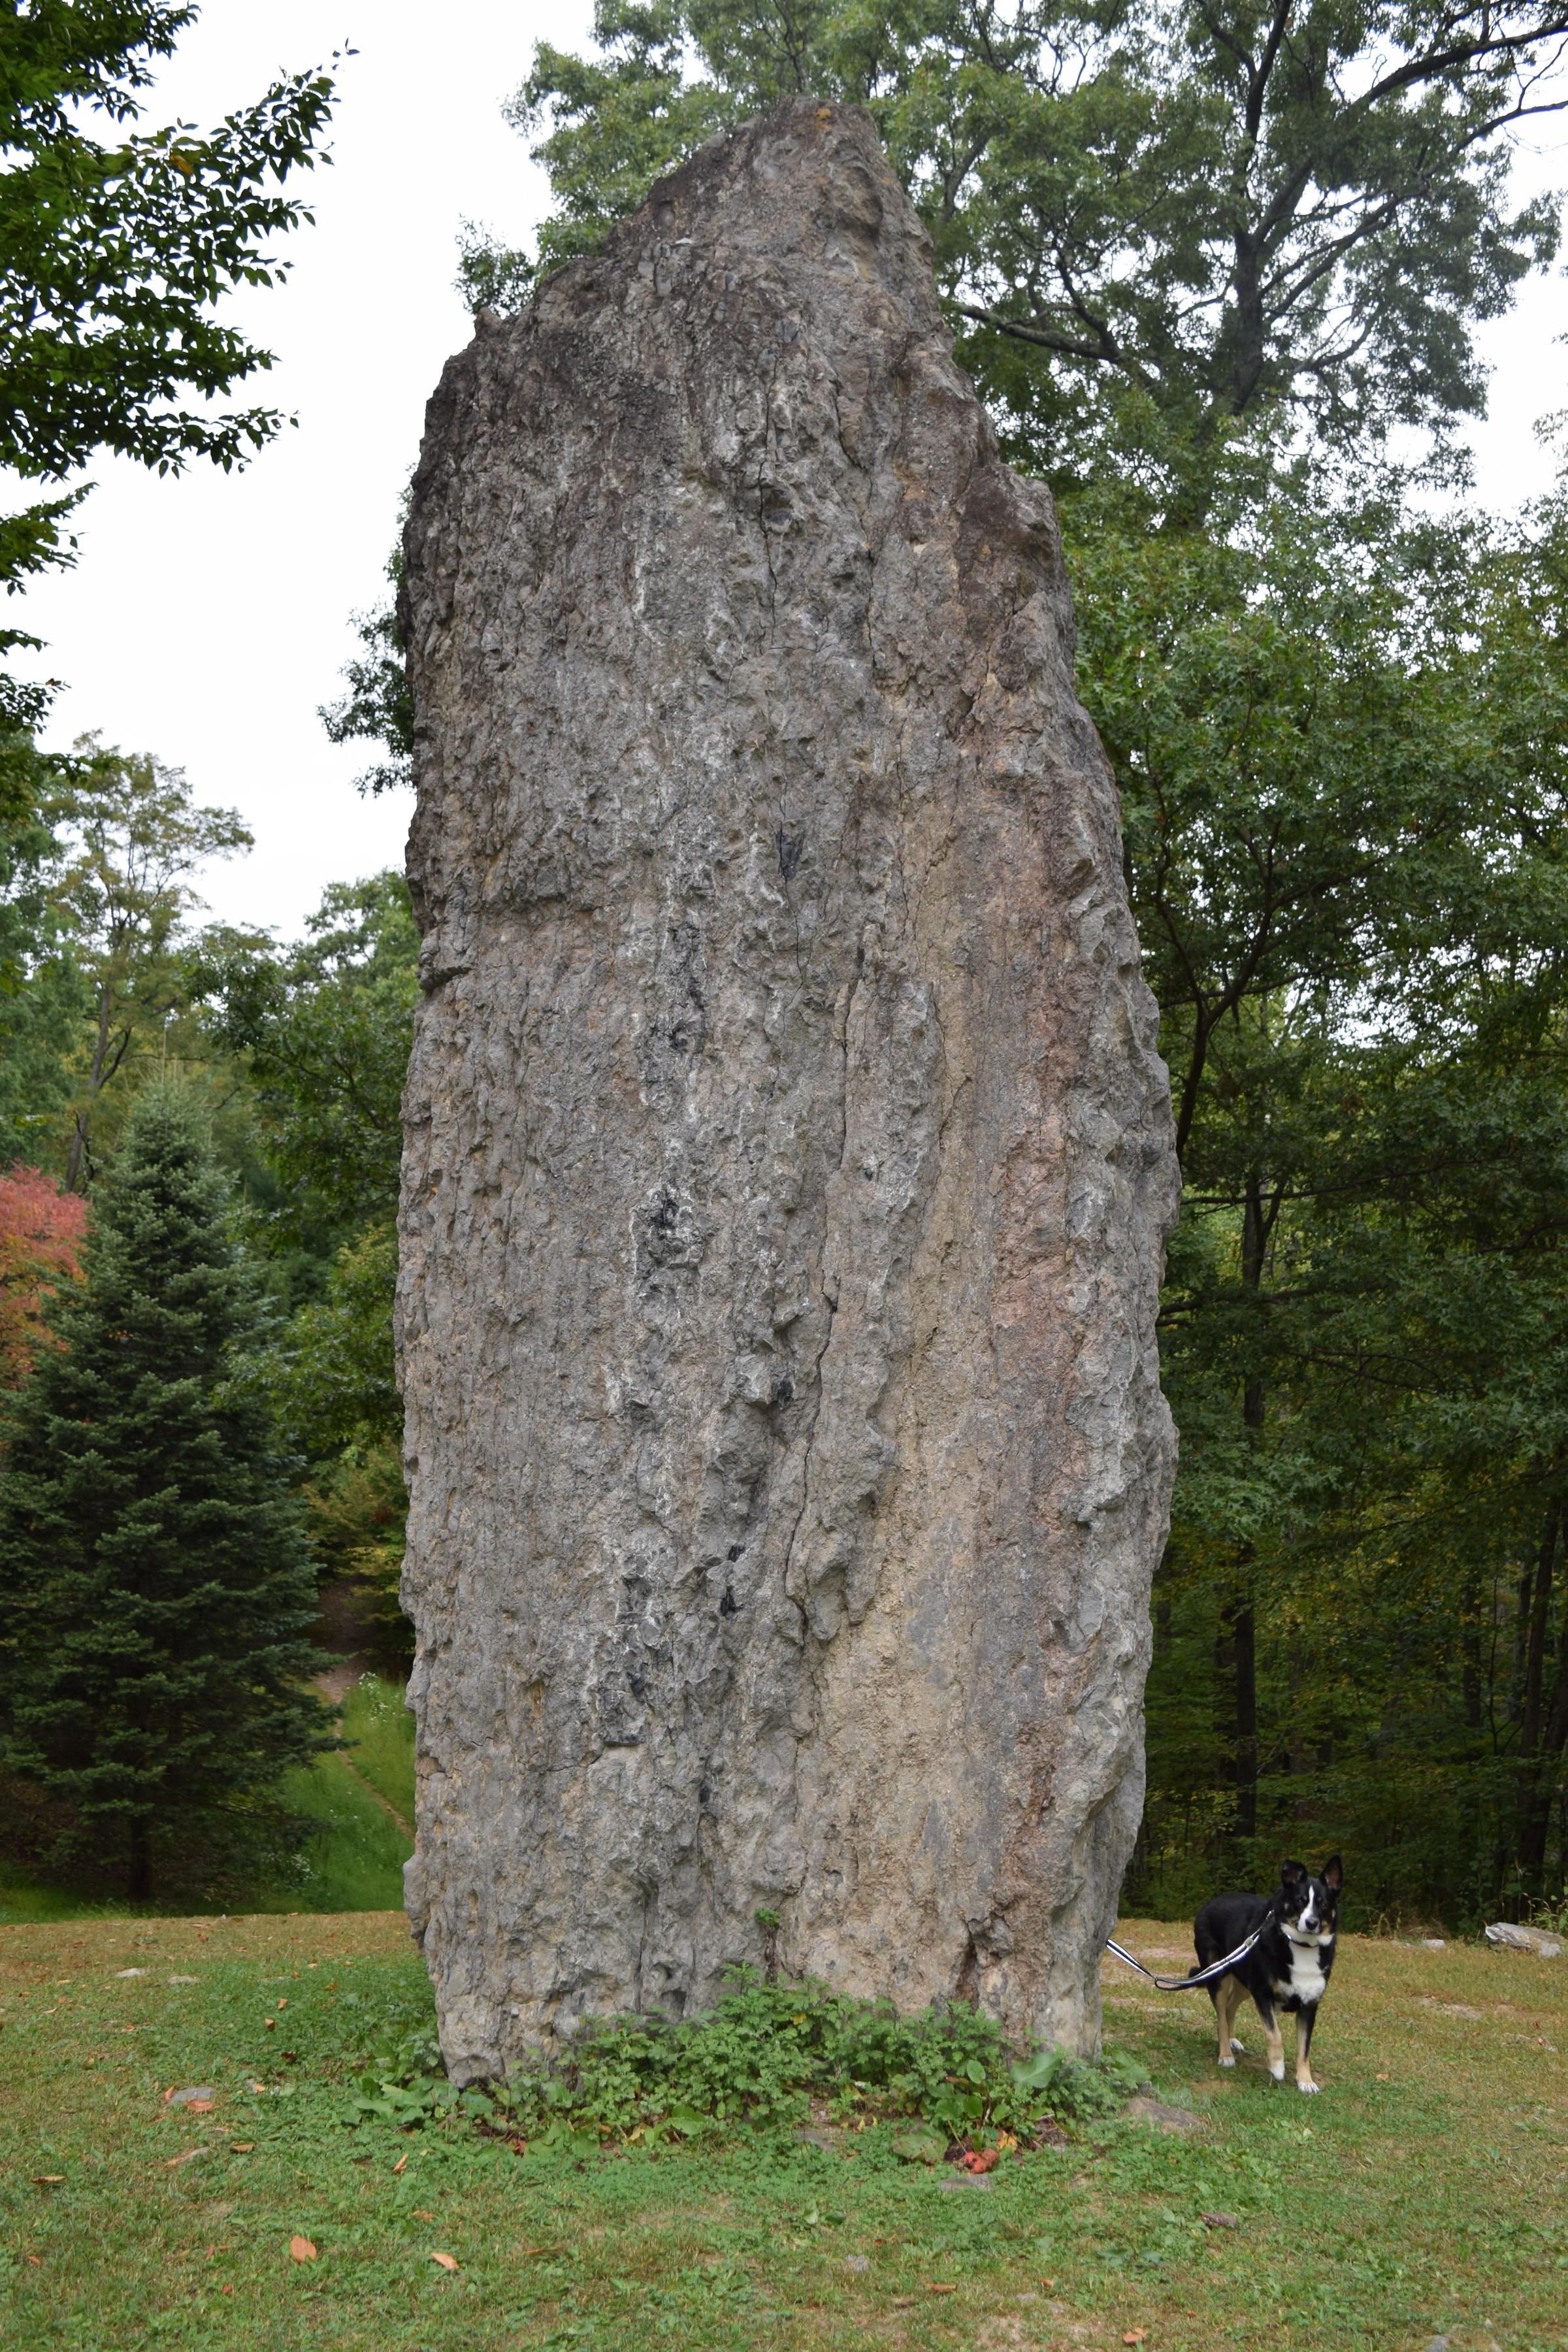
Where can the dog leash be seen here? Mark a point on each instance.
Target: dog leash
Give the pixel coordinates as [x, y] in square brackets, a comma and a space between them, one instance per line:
[1199, 1976]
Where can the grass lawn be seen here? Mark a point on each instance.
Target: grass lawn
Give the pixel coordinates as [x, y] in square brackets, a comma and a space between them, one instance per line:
[1426, 2190]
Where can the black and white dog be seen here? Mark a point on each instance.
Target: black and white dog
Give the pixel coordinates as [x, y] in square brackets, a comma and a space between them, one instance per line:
[1286, 1969]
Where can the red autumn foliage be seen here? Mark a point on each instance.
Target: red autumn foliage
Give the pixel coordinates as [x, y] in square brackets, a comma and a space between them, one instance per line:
[41, 1233]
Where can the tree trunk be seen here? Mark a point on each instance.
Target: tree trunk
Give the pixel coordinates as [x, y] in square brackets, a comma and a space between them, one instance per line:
[1470, 1661]
[78, 1167]
[1243, 1633]
[1535, 1635]
[77, 1155]
[1521, 1604]
[1540, 1737]
[1238, 1616]
[138, 1880]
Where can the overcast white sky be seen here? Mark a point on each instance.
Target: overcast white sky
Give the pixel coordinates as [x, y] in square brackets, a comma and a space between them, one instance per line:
[207, 618]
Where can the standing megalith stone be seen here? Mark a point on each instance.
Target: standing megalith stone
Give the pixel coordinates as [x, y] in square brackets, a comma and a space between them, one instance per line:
[788, 1158]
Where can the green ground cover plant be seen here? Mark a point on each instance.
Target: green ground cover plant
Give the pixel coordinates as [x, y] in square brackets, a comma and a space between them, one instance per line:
[1421, 2194]
[768, 2055]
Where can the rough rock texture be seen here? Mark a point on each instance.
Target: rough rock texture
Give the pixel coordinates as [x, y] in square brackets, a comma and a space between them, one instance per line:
[788, 1160]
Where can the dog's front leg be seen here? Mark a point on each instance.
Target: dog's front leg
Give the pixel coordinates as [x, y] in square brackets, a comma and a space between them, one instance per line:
[1305, 2020]
[1276, 2039]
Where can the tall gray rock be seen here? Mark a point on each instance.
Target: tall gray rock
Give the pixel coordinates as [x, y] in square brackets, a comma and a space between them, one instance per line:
[788, 1158]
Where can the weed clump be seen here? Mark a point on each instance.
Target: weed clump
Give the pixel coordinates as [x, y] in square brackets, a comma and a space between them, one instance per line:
[766, 2057]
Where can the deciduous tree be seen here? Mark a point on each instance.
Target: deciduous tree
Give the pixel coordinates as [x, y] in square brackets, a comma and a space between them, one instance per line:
[131, 837]
[41, 1231]
[114, 252]
[1201, 212]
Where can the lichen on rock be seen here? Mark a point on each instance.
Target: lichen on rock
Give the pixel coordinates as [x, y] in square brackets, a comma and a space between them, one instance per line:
[788, 1157]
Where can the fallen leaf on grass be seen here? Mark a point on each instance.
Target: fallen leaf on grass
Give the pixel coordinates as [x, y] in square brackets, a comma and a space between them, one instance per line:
[1135, 2335]
[301, 2250]
[903, 2303]
[184, 2158]
[448, 2262]
[270, 2023]
[934, 2286]
[401, 2162]
[240, 2147]
[518, 2146]
[46, 2179]
[421, 2215]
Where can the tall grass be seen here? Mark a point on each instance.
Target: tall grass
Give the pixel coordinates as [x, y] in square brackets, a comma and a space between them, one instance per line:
[382, 1732]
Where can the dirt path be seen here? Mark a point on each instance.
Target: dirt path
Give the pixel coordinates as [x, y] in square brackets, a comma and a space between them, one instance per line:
[387, 1806]
[340, 1676]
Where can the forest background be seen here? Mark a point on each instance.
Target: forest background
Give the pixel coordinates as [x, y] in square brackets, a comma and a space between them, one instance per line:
[1217, 270]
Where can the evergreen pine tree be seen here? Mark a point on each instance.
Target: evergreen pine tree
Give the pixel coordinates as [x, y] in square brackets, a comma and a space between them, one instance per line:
[155, 1592]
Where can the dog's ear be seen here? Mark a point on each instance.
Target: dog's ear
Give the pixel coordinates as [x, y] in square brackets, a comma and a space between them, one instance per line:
[1293, 1875]
[1334, 1873]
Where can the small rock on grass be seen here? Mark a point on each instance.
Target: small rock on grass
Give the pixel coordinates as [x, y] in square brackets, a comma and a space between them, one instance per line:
[197, 2095]
[857, 2263]
[1525, 1939]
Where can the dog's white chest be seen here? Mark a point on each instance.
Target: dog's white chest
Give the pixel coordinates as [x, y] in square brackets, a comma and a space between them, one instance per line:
[1308, 1982]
